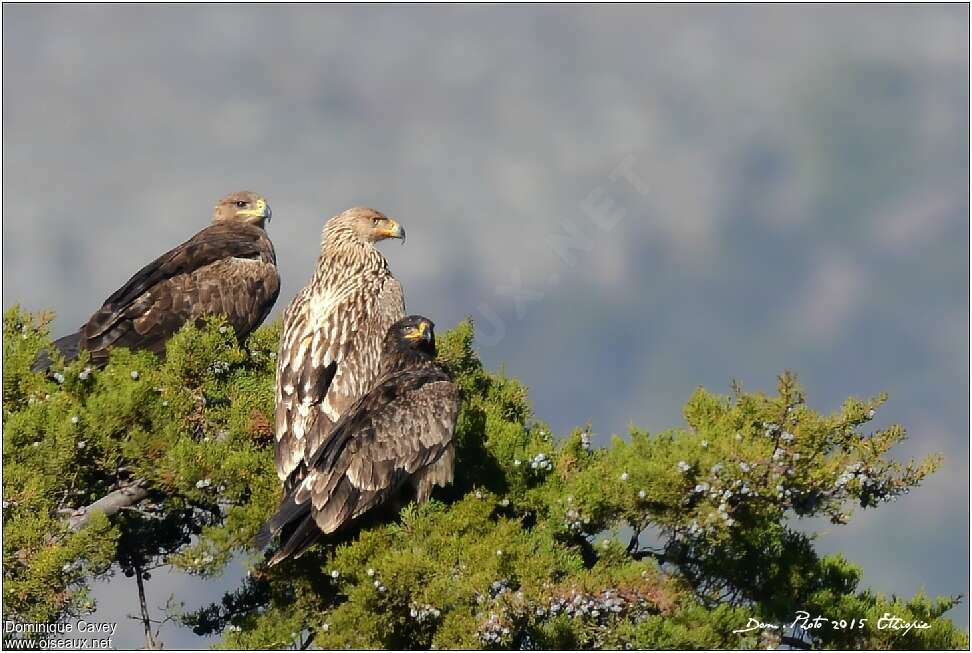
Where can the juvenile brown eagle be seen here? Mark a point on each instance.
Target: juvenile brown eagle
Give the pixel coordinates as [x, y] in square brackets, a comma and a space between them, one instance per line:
[229, 268]
[398, 435]
[332, 335]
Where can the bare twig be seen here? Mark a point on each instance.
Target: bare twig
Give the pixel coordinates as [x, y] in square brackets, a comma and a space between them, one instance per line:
[304, 645]
[150, 642]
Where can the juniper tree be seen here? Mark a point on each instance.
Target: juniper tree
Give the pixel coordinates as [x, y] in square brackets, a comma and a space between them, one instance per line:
[658, 540]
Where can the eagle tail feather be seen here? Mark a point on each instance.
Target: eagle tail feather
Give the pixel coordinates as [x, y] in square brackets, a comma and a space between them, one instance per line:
[291, 521]
[262, 538]
[305, 535]
[69, 346]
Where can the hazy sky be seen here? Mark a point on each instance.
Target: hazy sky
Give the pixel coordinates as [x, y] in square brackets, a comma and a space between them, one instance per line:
[630, 200]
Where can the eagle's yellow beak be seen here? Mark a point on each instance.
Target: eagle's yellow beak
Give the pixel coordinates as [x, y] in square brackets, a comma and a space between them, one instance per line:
[261, 210]
[394, 230]
[421, 332]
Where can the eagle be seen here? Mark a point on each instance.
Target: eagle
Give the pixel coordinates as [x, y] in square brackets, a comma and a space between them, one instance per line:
[330, 347]
[399, 435]
[229, 268]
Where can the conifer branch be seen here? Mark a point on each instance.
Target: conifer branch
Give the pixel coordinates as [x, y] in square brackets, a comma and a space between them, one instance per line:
[124, 497]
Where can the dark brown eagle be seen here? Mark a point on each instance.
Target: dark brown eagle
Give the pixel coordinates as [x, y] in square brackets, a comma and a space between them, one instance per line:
[229, 268]
[398, 435]
[330, 348]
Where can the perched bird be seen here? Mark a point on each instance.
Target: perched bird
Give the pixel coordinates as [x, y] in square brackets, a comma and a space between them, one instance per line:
[333, 330]
[399, 435]
[229, 268]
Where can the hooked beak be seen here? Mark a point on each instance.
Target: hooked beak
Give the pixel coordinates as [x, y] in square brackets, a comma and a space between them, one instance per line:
[421, 332]
[395, 230]
[260, 211]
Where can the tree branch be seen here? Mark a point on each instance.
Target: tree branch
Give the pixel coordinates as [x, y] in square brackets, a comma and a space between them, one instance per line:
[641, 554]
[307, 642]
[111, 503]
[150, 642]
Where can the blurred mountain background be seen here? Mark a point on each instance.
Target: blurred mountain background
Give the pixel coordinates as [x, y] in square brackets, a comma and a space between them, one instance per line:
[631, 201]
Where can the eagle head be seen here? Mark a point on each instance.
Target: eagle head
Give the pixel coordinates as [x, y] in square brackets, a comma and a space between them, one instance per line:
[365, 225]
[242, 206]
[411, 334]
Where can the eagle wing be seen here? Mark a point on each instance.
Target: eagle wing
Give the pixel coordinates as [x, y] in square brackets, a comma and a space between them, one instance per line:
[329, 356]
[224, 269]
[400, 432]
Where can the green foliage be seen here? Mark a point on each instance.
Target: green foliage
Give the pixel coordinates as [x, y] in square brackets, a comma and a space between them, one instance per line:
[193, 427]
[666, 540]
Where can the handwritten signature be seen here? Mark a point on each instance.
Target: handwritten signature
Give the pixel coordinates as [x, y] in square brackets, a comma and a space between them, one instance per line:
[803, 620]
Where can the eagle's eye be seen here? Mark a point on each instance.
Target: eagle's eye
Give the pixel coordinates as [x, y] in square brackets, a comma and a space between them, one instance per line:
[375, 221]
[241, 204]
